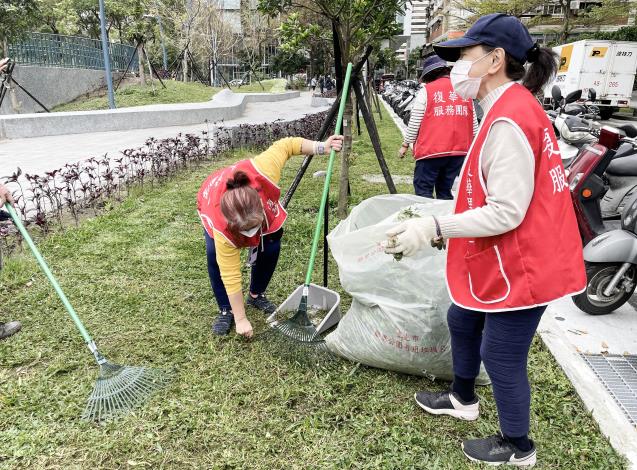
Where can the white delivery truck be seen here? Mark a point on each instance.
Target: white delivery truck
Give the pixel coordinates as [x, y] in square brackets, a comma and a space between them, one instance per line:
[608, 67]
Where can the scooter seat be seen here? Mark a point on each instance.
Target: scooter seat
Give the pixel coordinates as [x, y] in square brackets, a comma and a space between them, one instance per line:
[623, 167]
[625, 150]
[576, 124]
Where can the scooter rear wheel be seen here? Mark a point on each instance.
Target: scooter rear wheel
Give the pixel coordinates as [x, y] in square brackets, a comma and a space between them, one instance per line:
[598, 276]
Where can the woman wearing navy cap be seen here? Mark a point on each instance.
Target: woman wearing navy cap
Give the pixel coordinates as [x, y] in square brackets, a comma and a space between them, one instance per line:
[441, 128]
[513, 243]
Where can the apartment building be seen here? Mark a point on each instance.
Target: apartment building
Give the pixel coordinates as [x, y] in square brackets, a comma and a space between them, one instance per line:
[229, 63]
[447, 20]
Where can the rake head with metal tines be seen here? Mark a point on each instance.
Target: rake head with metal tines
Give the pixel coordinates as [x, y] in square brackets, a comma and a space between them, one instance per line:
[119, 389]
[296, 340]
[299, 327]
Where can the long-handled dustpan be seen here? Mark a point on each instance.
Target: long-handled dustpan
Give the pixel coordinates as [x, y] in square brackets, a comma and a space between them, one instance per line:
[299, 328]
[118, 388]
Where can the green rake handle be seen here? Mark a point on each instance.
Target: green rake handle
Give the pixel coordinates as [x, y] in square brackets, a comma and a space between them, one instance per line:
[49, 274]
[328, 178]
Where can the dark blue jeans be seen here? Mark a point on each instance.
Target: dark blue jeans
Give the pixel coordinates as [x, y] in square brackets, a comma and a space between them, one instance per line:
[262, 269]
[438, 174]
[501, 340]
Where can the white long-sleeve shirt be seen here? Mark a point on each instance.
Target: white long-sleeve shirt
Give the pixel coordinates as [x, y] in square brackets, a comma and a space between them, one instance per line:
[508, 167]
[418, 112]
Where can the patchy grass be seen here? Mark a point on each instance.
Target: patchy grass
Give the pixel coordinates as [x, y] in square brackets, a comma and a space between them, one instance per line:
[175, 92]
[137, 276]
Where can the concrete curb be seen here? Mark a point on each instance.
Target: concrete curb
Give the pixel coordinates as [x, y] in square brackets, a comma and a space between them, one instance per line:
[611, 419]
[141, 117]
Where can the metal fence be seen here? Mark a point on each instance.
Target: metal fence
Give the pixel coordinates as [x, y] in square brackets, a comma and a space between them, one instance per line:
[55, 50]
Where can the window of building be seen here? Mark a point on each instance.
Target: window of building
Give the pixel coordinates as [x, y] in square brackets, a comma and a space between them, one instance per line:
[552, 9]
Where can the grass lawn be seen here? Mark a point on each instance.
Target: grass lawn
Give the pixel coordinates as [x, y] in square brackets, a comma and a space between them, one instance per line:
[137, 276]
[175, 92]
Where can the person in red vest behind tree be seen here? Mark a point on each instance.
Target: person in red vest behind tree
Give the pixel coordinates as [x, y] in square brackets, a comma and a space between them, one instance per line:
[513, 242]
[239, 208]
[441, 128]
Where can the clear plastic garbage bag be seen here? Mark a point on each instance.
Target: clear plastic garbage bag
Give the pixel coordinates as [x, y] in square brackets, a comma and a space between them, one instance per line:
[398, 317]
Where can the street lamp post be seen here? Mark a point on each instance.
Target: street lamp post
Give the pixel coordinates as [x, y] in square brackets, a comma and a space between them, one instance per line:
[107, 58]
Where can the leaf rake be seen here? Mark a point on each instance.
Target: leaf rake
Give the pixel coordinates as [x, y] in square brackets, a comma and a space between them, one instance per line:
[119, 388]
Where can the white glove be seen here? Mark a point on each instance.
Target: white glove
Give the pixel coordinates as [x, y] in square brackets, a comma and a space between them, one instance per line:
[411, 236]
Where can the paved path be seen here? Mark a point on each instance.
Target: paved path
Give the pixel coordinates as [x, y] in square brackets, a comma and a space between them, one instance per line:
[568, 333]
[39, 154]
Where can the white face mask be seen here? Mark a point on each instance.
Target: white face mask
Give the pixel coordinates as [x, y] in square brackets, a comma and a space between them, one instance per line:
[465, 86]
[250, 233]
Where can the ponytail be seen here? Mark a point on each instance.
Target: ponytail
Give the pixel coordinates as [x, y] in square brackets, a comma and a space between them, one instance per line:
[542, 68]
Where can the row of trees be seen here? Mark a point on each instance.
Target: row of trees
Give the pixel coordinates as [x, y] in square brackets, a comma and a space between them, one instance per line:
[212, 31]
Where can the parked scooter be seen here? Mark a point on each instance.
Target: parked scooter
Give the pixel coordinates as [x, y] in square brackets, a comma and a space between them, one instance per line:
[610, 251]
[567, 151]
[573, 127]
[407, 113]
[611, 267]
[574, 105]
[621, 177]
[571, 121]
[585, 179]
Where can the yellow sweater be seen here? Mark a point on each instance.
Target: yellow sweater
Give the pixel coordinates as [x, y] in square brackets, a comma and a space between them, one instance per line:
[270, 163]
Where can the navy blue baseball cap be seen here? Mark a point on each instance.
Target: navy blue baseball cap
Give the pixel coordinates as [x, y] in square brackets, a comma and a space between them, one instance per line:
[495, 30]
[432, 63]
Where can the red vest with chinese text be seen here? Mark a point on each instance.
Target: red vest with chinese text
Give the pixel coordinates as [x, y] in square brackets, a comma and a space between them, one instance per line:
[446, 129]
[540, 260]
[209, 203]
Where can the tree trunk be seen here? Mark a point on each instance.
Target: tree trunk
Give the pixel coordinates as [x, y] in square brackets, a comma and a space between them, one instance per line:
[311, 68]
[15, 104]
[140, 58]
[566, 29]
[343, 190]
[184, 66]
[339, 60]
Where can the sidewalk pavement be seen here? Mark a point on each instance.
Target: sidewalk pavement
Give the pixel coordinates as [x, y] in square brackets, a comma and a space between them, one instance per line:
[39, 154]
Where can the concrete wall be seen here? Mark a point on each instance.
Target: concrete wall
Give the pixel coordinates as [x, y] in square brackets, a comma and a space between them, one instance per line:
[50, 85]
[225, 105]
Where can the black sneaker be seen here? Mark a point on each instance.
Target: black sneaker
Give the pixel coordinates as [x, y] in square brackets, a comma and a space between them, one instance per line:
[497, 450]
[448, 403]
[9, 329]
[262, 303]
[223, 323]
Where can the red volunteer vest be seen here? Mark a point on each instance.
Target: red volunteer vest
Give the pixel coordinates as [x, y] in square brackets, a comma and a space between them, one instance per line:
[446, 129]
[209, 203]
[539, 261]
